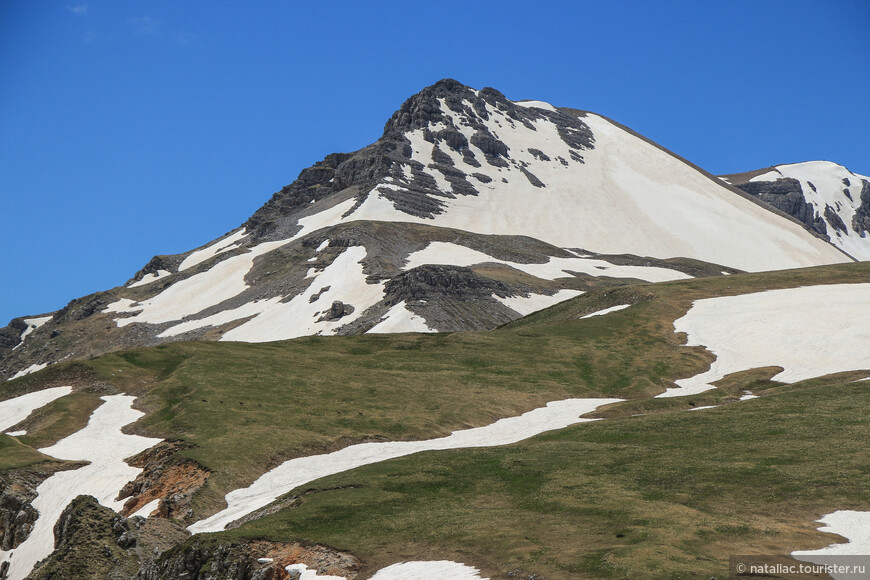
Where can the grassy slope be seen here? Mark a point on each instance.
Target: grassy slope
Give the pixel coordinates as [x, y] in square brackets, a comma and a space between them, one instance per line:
[655, 496]
[247, 407]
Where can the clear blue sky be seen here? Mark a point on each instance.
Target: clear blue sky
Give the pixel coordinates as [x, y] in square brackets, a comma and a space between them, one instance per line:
[129, 129]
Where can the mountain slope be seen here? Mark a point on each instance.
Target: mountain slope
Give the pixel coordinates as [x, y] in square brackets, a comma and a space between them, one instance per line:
[825, 196]
[470, 211]
[230, 412]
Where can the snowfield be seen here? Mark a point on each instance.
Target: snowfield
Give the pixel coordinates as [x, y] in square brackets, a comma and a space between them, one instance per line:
[103, 444]
[295, 472]
[660, 206]
[13, 411]
[852, 525]
[809, 332]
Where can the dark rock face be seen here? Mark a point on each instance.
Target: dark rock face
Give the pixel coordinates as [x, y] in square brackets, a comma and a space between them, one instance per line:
[337, 310]
[435, 282]
[205, 559]
[787, 196]
[861, 220]
[835, 220]
[17, 516]
[10, 335]
[81, 308]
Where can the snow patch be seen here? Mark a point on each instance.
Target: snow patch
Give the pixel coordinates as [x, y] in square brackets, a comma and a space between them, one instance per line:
[809, 331]
[147, 509]
[323, 245]
[606, 311]
[150, 277]
[15, 410]
[295, 472]
[31, 369]
[456, 255]
[536, 105]
[525, 305]
[103, 444]
[33, 324]
[436, 570]
[852, 525]
[400, 319]
[212, 250]
[16, 433]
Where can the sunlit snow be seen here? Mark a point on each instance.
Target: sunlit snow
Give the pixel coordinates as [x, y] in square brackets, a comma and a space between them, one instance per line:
[809, 331]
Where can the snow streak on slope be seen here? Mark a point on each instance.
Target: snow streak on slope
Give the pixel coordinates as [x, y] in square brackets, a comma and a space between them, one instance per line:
[149, 278]
[400, 319]
[31, 369]
[32, 324]
[525, 305]
[432, 570]
[103, 444]
[606, 311]
[810, 332]
[836, 194]
[296, 472]
[454, 254]
[624, 196]
[221, 282]
[15, 410]
[212, 250]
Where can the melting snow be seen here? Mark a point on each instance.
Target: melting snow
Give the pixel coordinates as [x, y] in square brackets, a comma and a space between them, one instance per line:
[323, 245]
[810, 332]
[454, 254]
[852, 525]
[606, 311]
[291, 474]
[210, 251]
[150, 277]
[434, 570]
[525, 305]
[31, 369]
[16, 433]
[103, 444]
[343, 280]
[147, 509]
[400, 319]
[536, 105]
[33, 324]
[15, 410]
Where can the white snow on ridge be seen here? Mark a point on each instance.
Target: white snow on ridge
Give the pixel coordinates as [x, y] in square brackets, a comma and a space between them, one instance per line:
[221, 282]
[810, 332]
[525, 305]
[606, 311]
[852, 525]
[31, 369]
[212, 250]
[150, 277]
[828, 189]
[456, 255]
[33, 324]
[103, 444]
[15, 410]
[400, 319]
[536, 105]
[296, 472]
[628, 196]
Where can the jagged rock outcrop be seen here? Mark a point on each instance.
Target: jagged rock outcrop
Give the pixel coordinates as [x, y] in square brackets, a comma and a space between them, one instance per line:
[164, 476]
[787, 196]
[223, 559]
